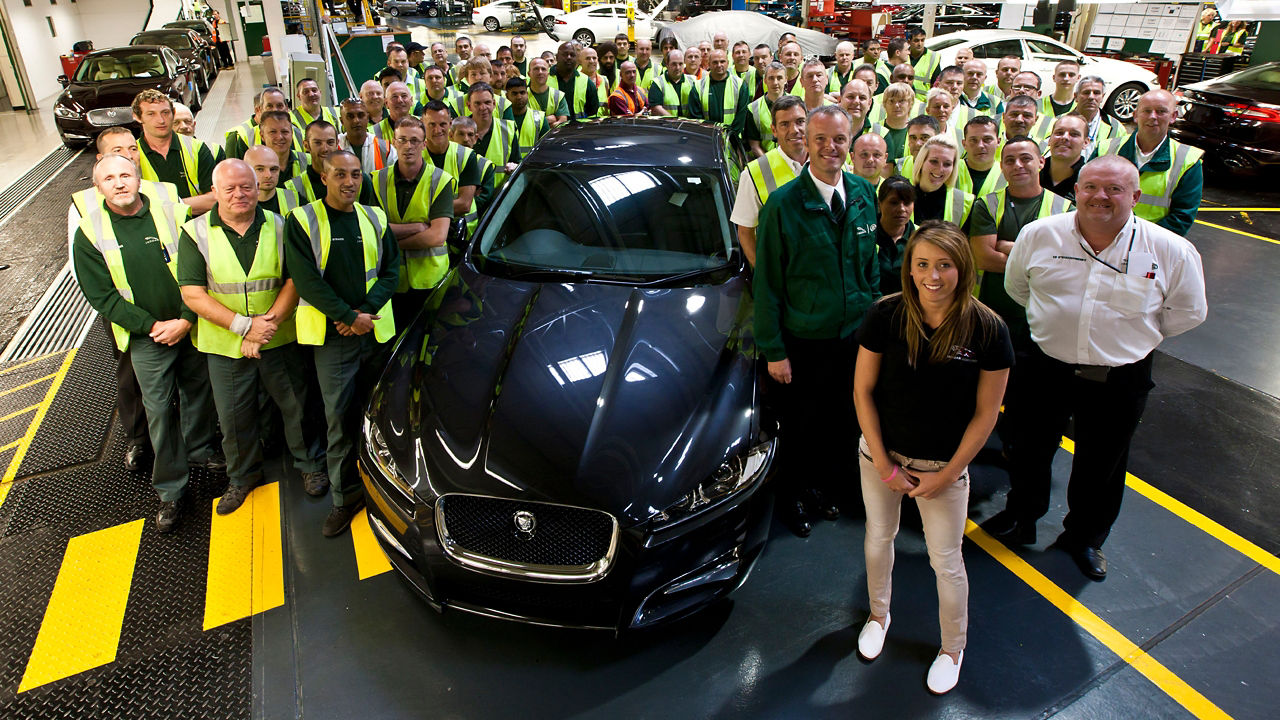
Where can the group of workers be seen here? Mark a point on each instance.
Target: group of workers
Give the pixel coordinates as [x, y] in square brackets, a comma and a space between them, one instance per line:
[262, 280]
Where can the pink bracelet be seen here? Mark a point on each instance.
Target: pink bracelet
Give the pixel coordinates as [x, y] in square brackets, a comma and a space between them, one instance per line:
[892, 475]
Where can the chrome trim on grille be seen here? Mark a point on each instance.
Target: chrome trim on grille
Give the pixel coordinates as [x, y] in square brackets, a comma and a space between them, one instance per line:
[526, 571]
[103, 117]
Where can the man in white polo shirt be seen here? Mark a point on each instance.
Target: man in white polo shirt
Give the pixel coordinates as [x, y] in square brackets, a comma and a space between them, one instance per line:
[1102, 288]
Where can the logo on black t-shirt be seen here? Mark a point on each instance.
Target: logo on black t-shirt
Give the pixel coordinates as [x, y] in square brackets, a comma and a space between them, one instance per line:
[963, 354]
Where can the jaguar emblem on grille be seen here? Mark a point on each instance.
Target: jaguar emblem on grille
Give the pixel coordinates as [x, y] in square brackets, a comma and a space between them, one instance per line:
[525, 524]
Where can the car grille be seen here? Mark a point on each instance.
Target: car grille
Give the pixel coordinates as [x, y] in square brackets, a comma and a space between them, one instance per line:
[103, 117]
[565, 543]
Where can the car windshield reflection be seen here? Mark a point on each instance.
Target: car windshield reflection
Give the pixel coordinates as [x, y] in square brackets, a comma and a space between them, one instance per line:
[623, 223]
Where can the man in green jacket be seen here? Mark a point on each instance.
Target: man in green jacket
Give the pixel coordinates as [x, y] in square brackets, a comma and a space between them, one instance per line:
[125, 256]
[816, 274]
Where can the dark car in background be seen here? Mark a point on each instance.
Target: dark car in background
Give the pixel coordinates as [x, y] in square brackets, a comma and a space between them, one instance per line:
[950, 18]
[571, 433]
[1235, 119]
[202, 28]
[101, 93]
[189, 46]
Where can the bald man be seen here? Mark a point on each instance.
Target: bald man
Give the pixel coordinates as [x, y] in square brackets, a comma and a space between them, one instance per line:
[246, 328]
[1172, 173]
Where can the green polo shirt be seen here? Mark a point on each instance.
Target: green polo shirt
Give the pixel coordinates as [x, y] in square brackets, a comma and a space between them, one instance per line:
[192, 269]
[169, 167]
[441, 205]
[155, 293]
[367, 196]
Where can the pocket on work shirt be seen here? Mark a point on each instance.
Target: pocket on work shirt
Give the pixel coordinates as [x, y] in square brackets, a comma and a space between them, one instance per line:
[1132, 295]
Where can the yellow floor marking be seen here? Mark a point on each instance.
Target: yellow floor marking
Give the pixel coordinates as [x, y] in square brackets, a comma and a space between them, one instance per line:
[370, 560]
[1231, 209]
[11, 445]
[16, 461]
[81, 627]
[246, 559]
[1162, 677]
[32, 361]
[26, 385]
[1204, 523]
[1239, 232]
[16, 413]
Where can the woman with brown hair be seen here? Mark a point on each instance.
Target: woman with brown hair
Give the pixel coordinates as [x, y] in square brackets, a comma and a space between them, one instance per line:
[930, 374]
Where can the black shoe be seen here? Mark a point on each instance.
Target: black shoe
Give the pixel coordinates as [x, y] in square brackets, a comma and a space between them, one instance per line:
[822, 505]
[340, 518]
[217, 462]
[797, 518]
[167, 517]
[233, 498]
[137, 458]
[316, 483]
[1008, 529]
[1090, 560]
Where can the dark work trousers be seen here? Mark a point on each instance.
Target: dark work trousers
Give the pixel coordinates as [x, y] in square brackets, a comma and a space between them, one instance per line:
[224, 54]
[346, 369]
[180, 419]
[133, 417]
[1023, 348]
[819, 428]
[1106, 415]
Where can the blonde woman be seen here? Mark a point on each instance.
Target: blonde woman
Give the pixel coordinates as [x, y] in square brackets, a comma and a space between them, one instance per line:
[933, 173]
[931, 370]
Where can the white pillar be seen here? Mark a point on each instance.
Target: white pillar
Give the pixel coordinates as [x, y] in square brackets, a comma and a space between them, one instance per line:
[273, 13]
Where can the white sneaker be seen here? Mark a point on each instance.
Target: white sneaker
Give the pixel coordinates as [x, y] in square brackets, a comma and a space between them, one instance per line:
[944, 673]
[871, 639]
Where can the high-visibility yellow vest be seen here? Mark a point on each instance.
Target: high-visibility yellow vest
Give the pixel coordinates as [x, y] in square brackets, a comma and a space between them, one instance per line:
[472, 218]
[554, 96]
[156, 192]
[248, 294]
[993, 182]
[770, 172]
[500, 104]
[96, 226]
[311, 323]
[579, 93]
[529, 132]
[301, 185]
[1050, 204]
[675, 102]
[420, 269]
[956, 207]
[251, 135]
[188, 150]
[301, 119]
[501, 135]
[729, 103]
[924, 65]
[287, 200]
[1047, 109]
[762, 115]
[835, 84]
[1158, 185]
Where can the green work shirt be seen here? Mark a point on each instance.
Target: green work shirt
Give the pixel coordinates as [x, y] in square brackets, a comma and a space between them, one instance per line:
[470, 171]
[192, 269]
[896, 140]
[367, 195]
[169, 167]
[340, 292]
[562, 107]
[712, 108]
[156, 296]
[1020, 213]
[441, 205]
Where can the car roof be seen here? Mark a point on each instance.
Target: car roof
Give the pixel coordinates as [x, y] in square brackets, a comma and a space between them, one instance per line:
[631, 141]
[131, 50]
[982, 35]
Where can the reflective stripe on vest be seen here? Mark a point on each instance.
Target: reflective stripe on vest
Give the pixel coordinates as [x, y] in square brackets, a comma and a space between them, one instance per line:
[729, 103]
[455, 158]
[472, 218]
[1050, 204]
[499, 148]
[420, 269]
[924, 74]
[156, 192]
[301, 186]
[770, 172]
[553, 100]
[530, 131]
[311, 323]
[761, 113]
[250, 294]
[673, 98]
[96, 226]
[1158, 185]
[957, 207]
[993, 182]
[287, 200]
[301, 119]
[188, 151]
[579, 93]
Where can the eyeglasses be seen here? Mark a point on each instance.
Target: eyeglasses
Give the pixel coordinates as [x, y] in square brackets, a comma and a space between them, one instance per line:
[1026, 87]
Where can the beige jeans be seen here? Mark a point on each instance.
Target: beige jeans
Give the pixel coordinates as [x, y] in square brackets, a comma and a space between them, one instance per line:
[943, 517]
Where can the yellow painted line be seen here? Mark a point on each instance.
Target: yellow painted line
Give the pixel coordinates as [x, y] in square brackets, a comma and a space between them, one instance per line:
[26, 385]
[81, 627]
[17, 413]
[1231, 209]
[1195, 517]
[1239, 232]
[1172, 685]
[11, 445]
[32, 361]
[246, 559]
[370, 560]
[16, 461]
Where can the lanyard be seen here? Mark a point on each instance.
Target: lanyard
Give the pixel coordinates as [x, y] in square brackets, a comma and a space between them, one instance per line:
[1089, 252]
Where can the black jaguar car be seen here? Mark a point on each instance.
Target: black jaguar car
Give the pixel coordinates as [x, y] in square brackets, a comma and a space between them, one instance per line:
[189, 46]
[1237, 116]
[102, 91]
[571, 433]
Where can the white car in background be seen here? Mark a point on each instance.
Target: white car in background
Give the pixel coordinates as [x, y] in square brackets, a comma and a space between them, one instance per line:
[1125, 81]
[597, 23]
[499, 14]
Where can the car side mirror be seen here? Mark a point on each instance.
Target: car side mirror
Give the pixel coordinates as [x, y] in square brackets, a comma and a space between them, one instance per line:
[63, 80]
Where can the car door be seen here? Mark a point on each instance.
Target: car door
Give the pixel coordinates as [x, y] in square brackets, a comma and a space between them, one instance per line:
[991, 52]
[1042, 56]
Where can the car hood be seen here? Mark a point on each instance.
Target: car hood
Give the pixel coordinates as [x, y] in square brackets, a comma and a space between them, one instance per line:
[602, 396]
[1231, 90]
[111, 93]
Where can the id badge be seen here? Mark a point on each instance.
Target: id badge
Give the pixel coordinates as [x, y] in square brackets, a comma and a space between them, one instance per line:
[1142, 264]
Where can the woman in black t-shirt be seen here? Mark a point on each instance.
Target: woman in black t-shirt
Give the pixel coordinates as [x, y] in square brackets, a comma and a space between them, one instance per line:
[930, 374]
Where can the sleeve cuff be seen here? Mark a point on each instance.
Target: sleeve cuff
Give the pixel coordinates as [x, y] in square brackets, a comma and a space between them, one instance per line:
[241, 325]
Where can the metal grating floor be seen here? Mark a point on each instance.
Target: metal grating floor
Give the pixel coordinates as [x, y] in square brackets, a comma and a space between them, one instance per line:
[25, 188]
[59, 321]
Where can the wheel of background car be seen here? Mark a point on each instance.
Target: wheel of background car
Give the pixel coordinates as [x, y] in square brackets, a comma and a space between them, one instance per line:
[1124, 100]
[585, 36]
[491, 24]
[432, 12]
[393, 11]
[549, 23]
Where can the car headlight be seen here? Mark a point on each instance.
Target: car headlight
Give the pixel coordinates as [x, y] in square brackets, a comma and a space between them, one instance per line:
[381, 456]
[66, 112]
[733, 477]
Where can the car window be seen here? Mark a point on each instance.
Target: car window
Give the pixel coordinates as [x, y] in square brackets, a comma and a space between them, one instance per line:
[944, 43]
[1044, 47]
[998, 49]
[1266, 77]
[622, 223]
[601, 12]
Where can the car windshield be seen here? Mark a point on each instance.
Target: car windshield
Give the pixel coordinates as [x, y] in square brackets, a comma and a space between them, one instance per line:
[1266, 77]
[173, 40]
[120, 67]
[624, 223]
